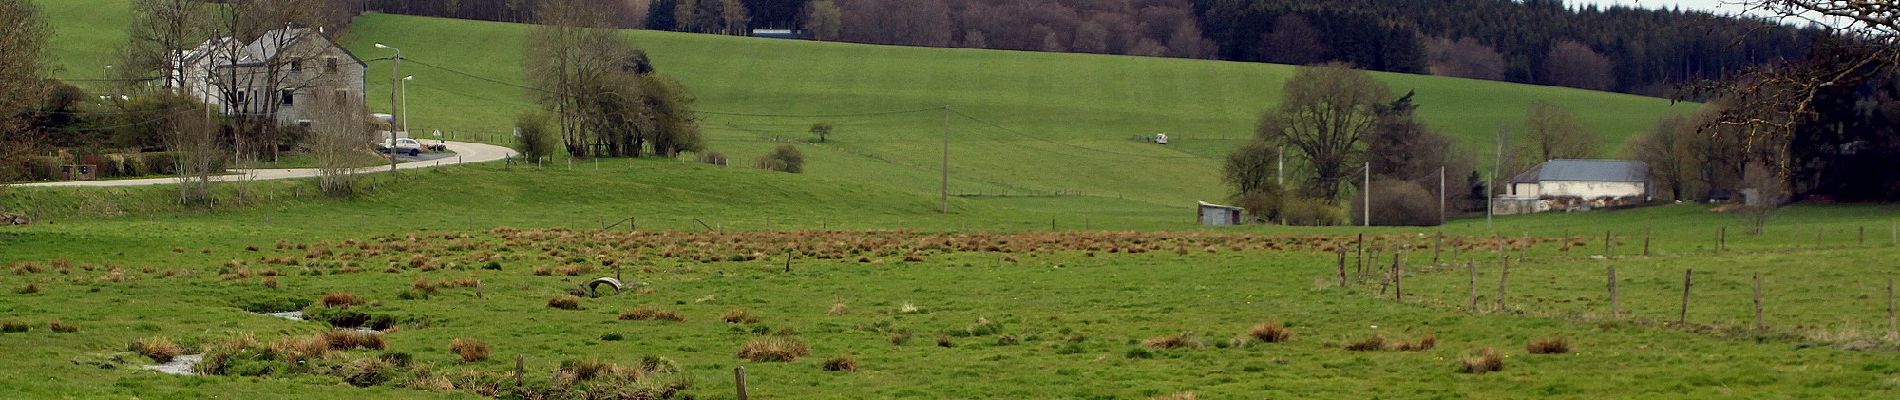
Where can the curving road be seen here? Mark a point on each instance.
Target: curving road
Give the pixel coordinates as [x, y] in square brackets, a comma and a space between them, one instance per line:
[464, 153]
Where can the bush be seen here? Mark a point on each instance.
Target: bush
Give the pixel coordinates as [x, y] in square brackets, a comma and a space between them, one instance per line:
[1397, 203]
[535, 141]
[14, 327]
[774, 349]
[1485, 360]
[470, 350]
[713, 157]
[1270, 332]
[1554, 345]
[1311, 212]
[786, 158]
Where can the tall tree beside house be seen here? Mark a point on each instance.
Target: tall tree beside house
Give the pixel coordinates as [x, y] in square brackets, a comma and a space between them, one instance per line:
[260, 65]
[570, 55]
[1665, 147]
[191, 138]
[23, 79]
[160, 30]
[1324, 114]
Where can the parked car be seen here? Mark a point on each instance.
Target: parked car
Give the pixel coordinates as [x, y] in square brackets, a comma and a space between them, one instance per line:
[402, 146]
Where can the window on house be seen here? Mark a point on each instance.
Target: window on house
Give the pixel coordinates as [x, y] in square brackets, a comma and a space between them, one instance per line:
[239, 98]
[296, 65]
[290, 98]
[342, 97]
[329, 64]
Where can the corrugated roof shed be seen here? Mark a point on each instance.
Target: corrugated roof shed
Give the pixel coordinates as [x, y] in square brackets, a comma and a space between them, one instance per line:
[1586, 171]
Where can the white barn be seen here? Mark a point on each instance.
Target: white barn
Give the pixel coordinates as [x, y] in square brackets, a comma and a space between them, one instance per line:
[1563, 185]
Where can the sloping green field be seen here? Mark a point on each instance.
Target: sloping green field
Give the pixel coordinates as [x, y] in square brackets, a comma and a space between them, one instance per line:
[1046, 122]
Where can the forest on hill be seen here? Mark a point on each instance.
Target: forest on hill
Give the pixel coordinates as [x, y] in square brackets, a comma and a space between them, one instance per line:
[1547, 42]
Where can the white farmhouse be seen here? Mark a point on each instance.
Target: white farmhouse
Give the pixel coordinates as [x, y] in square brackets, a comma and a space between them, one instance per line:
[280, 75]
[1565, 185]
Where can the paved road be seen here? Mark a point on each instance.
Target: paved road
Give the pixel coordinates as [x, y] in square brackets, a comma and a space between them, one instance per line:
[464, 153]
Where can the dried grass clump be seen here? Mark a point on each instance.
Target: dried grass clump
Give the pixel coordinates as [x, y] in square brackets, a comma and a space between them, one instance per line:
[28, 289]
[839, 309]
[1551, 345]
[542, 271]
[14, 327]
[1270, 332]
[907, 308]
[340, 300]
[367, 371]
[1176, 396]
[565, 302]
[1374, 343]
[1423, 343]
[774, 349]
[650, 313]
[341, 339]
[842, 363]
[62, 327]
[470, 350]
[296, 349]
[1175, 341]
[739, 316]
[269, 282]
[1485, 360]
[157, 348]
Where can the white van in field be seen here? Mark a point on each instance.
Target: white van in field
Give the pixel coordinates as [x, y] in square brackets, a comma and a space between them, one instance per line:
[1161, 138]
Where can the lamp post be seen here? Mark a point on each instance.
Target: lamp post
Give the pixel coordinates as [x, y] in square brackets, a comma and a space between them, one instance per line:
[393, 84]
[405, 101]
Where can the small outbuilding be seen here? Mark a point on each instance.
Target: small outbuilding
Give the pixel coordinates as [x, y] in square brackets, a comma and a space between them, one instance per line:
[1211, 214]
[1566, 185]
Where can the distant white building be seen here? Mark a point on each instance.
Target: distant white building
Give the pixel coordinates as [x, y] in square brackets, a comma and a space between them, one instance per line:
[1211, 214]
[1564, 185]
[280, 74]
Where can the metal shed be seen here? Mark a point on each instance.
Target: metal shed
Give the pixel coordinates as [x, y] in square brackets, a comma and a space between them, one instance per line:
[1211, 214]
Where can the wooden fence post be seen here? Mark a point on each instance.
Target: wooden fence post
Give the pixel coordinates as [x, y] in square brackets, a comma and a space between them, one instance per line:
[1523, 246]
[1863, 236]
[521, 370]
[738, 376]
[1683, 319]
[1646, 230]
[1893, 323]
[1504, 276]
[1361, 267]
[1342, 266]
[1438, 246]
[1721, 239]
[1616, 308]
[1398, 279]
[788, 261]
[1758, 323]
[1607, 250]
[478, 289]
[1473, 307]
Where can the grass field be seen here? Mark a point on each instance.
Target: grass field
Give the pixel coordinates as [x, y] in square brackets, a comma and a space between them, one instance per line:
[1008, 297]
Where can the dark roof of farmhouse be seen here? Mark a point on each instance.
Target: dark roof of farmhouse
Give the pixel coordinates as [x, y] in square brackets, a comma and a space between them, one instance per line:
[1585, 171]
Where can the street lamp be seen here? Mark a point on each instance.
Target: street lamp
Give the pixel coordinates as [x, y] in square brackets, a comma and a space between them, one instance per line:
[405, 101]
[393, 83]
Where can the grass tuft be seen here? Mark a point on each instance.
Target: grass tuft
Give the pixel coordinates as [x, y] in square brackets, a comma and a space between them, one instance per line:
[340, 300]
[1551, 345]
[1270, 332]
[62, 327]
[1175, 341]
[565, 302]
[1485, 360]
[343, 339]
[1176, 396]
[28, 289]
[1374, 343]
[158, 348]
[650, 313]
[839, 309]
[469, 349]
[774, 349]
[1423, 343]
[842, 363]
[739, 316]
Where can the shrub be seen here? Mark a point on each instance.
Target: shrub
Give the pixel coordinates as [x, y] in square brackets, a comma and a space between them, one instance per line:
[739, 316]
[1485, 360]
[774, 349]
[534, 141]
[785, 158]
[713, 157]
[1270, 332]
[565, 302]
[341, 339]
[340, 300]
[470, 350]
[1374, 343]
[158, 349]
[842, 363]
[1311, 212]
[1397, 203]
[1175, 341]
[62, 327]
[1553, 345]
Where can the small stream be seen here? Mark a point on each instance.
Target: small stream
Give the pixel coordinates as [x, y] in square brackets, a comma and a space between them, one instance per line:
[180, 365]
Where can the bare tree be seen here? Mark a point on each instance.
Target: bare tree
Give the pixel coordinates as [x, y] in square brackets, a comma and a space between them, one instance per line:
[23, 81]
[160, 31]
[1766, 191]
[192, 138]
[1767, 102]
[1324, 113]
[1665, 147]
[1575, 64]
[1552, 132]
[266, 51]
[338, 138]
[573, 59]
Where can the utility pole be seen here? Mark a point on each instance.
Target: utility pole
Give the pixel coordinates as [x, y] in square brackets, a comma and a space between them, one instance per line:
[1282, 174]
[395, 73]
[1441, 195]
[945, 200]
[1490, 189]
[1368, 194]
